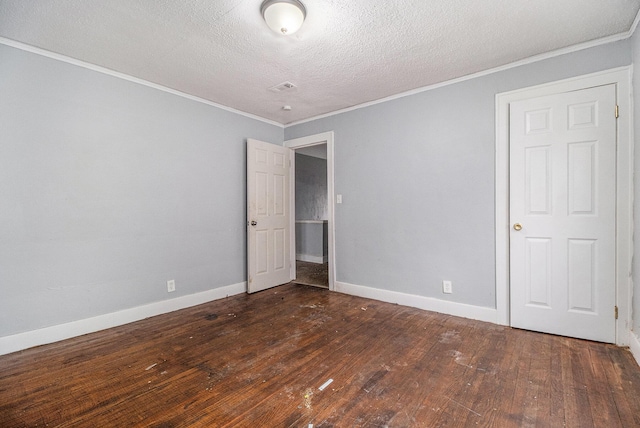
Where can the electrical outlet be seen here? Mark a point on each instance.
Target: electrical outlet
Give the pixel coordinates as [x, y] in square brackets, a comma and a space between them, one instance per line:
[447, 287]
[171, 285]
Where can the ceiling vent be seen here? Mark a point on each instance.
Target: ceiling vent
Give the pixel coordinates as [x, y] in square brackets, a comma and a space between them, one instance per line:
[282, 87]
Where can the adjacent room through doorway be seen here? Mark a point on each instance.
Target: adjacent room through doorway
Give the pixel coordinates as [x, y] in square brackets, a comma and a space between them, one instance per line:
[311, 216]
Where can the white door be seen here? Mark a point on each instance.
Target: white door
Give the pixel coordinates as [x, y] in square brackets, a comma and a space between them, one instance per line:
[268, 244]
[562, 200]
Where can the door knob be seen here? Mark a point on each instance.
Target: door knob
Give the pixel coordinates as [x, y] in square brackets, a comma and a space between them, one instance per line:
[517, 226]
[254, 223]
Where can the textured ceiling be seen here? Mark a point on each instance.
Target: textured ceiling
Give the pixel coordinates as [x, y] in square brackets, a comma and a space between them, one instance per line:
[345, 54]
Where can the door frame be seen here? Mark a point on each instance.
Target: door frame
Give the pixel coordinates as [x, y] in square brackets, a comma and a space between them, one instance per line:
[621, 77]
[299, 143]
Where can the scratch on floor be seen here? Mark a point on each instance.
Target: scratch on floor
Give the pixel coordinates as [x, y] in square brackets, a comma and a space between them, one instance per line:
[449, 337]
[463, 406]
[460, 359]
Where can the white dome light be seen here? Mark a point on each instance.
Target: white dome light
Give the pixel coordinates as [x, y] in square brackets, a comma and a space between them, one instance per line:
[283, 16]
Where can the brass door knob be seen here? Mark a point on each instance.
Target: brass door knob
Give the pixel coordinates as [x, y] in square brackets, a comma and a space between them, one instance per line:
[517, 226]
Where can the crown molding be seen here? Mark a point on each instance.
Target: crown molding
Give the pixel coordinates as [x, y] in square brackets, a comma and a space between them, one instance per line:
[123, 76]
[529, 60]
[519, 63]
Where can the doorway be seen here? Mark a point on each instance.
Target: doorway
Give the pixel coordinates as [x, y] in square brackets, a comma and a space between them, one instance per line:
[311, 215]
[312, 200]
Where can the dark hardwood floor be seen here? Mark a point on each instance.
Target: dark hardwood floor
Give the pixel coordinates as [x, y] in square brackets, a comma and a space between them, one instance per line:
[258, 361]
[316, 274]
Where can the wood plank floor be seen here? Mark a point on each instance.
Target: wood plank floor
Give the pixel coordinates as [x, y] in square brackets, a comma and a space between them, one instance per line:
[257, 361]
[316, 274]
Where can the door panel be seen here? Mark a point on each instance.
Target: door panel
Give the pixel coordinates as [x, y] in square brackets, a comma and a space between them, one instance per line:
[538, 274]
[581, 268]
[268, 243]
[538, 181]
[582, 175]
[562, 192]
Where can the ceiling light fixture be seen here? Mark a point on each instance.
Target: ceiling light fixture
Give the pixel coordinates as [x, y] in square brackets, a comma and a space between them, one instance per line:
[283, 16]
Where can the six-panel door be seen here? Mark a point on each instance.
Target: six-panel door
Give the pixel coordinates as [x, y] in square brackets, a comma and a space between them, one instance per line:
[562, 194]
[268, 244]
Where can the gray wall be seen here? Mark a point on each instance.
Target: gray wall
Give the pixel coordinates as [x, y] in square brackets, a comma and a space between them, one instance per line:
[311, 188]
[311, 239]
[108, 189]
[417, 179]
[636, 259]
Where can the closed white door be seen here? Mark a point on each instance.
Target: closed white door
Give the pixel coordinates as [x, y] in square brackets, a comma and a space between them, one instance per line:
[562, 212]
[268, 243]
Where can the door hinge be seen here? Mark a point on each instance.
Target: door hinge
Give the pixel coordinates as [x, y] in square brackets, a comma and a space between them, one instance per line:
[616, 311]
[617, 111]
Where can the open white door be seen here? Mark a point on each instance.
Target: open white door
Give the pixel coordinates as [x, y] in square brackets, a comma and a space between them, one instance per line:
[268, 215]
[563, 213]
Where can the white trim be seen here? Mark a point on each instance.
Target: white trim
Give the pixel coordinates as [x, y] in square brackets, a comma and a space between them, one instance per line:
[113, 73]
[292, 218]
[312, 140]
[635, 24]
[529, 60]
[634, 346]
[427, 303]
[312, 259]
[621, 77]
[535, 58]
[59, 332]
[312, 221]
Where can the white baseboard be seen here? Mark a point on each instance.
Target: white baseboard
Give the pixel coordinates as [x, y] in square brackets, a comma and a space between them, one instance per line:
[427, 303]
[311, 259]
[634, 346]
[20, 341]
